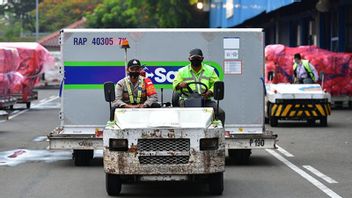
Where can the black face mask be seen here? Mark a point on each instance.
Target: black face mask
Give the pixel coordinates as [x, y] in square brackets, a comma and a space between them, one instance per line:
[133, 74]
[196, 63]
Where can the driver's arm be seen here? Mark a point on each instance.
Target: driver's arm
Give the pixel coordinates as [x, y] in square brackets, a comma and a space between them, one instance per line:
[178, 79]
[118, 92]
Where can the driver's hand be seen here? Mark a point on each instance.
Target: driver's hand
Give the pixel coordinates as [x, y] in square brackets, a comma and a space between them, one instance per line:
[208, 94]
[182, 85]
[141, 106]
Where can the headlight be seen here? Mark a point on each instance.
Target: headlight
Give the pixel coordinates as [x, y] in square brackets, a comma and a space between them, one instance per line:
[209, 144]
[118, 144]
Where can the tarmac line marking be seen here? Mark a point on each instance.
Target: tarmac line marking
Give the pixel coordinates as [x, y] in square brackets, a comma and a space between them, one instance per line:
[320, 174]
[304, 174]
[17, 114]
[284, 152]
[47, 101]
[37, 105]
[43, 100]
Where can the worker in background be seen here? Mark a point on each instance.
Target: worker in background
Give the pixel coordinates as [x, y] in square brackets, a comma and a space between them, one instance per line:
[198, 71]
[135, 91]
[304, 72]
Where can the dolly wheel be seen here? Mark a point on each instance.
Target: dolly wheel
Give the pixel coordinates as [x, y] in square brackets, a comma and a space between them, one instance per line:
[82, 157]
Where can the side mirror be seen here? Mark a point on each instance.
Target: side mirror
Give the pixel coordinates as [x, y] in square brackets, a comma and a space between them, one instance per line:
[109, 91]
[270, 75]
[219, 90]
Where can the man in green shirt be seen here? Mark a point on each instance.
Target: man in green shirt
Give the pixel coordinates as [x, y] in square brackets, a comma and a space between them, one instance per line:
[199, 72]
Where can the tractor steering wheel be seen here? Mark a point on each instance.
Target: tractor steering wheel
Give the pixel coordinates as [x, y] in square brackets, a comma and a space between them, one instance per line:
[190, 91]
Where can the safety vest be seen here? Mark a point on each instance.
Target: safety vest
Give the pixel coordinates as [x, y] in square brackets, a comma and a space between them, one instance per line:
[141, 87]
[306, 66]
[188, 75]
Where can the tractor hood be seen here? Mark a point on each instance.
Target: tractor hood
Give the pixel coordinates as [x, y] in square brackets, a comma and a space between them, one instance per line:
[163, 118]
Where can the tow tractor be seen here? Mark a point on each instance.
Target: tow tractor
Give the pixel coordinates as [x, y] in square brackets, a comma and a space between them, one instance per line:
[307, 102]
[164, 144]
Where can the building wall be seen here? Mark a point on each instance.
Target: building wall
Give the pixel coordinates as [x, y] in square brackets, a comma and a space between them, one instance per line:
[300, 23]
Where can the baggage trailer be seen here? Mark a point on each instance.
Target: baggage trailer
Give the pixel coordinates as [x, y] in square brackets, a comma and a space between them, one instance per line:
[28, 100]
[297, 102]
[93, 56]
[6, 102]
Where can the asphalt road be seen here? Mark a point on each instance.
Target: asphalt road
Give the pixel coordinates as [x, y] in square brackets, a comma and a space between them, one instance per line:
[27, 169]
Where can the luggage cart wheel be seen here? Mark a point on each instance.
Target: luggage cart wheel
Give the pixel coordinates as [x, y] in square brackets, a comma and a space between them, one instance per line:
[82, 157]
[240, 156]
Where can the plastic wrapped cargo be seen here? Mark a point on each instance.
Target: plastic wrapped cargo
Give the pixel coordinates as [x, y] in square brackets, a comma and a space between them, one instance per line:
[337, 67]
[33, 60]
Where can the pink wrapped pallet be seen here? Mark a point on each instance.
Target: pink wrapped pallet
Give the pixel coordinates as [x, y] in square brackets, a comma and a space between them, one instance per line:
[337, 67]
[33, 59]
[8, 65]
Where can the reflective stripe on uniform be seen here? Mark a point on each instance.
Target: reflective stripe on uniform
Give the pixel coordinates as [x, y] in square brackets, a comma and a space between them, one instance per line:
[130, 92]
[198, 89]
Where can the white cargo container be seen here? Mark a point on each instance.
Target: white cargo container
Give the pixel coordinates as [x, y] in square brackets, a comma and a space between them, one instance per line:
[93, 56]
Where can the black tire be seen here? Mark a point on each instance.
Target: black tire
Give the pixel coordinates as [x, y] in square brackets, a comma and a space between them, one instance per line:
[113, 184]
[216, 183]
[28, 105]
[324, 121]
[240, 156]
[273, 121]
[11, 107]
[266, 120]
[310, 122]
[82, 157]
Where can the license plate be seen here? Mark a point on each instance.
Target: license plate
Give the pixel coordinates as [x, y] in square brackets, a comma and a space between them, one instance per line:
[257, 142]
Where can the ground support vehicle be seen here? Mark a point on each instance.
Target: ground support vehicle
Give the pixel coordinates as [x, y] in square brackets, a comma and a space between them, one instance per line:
[297, 102]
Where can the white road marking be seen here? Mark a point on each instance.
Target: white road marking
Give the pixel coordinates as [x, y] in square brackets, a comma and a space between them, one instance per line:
[17, 114]
[43, 100]
[46, 100]
[320, 174]
[305, 175]
[284, 152]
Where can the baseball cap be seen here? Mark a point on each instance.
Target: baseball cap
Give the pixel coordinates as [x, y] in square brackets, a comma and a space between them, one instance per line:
[196, 52]
[133, 63]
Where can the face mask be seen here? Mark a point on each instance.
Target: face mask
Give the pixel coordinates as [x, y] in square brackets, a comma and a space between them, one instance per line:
[196, 63]
[133, 74]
